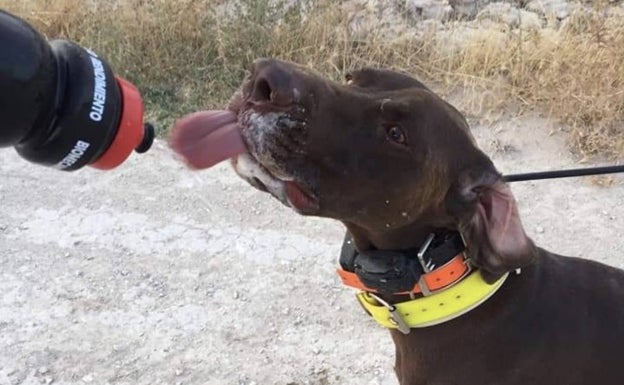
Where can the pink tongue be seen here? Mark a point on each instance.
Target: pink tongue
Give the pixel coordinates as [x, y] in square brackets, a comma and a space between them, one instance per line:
[206, 138]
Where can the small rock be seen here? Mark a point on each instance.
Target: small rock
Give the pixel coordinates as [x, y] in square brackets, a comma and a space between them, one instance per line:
[429, 9]
[508, 14]
[559, 9]
[43, 370]
[87, 379]
[179, 372]
[539, 229]
[236, 295]
[466, 9]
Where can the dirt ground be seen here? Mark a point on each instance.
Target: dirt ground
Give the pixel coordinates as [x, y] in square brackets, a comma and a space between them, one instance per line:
[153, 274]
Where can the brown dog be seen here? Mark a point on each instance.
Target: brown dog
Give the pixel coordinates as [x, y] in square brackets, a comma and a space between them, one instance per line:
[394, 162]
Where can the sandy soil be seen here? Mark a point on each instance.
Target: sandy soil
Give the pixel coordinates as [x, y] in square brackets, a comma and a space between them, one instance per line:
[153, 274]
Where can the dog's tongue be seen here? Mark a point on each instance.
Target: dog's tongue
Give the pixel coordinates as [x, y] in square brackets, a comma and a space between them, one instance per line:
[206, 138]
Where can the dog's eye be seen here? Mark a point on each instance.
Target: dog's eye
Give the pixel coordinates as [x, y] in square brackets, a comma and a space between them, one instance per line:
[396, 134]
[349, 79]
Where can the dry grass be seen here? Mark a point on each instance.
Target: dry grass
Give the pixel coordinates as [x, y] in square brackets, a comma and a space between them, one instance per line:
[183, 57]
[574, 74]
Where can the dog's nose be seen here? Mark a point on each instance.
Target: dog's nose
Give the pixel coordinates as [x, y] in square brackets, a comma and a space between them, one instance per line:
[272, 83]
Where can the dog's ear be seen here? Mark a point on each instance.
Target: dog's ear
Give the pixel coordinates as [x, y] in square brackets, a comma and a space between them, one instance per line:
[488, 218]
[382, 80]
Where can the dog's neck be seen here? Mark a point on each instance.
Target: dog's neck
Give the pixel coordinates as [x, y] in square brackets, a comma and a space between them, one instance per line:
[407, 237]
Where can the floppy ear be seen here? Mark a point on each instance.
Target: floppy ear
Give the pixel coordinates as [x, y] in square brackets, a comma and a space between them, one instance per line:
[488, 219]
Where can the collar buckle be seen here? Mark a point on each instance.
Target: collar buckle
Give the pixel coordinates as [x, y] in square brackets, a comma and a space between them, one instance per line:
[395, 318]
[427, 266]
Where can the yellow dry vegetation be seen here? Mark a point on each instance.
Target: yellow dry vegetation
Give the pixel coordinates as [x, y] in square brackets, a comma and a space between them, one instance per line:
[183, 56]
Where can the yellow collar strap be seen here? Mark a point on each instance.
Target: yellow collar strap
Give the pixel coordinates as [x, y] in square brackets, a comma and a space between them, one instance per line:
[435, 309]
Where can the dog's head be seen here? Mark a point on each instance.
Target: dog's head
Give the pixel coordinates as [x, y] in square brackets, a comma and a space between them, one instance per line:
[381, 153]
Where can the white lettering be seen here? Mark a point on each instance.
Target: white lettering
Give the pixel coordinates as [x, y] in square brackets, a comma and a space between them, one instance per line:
[74, 155]
[99, 90]
[91, 52]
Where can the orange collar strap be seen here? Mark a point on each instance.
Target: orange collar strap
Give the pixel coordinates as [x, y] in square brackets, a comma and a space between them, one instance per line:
[438, 279]
[438, 263]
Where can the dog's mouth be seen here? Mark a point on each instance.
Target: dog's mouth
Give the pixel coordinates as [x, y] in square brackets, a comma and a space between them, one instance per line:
[275, 161]
[290, 192]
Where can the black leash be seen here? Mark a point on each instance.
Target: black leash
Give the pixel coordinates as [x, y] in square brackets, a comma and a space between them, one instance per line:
[563, 173]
